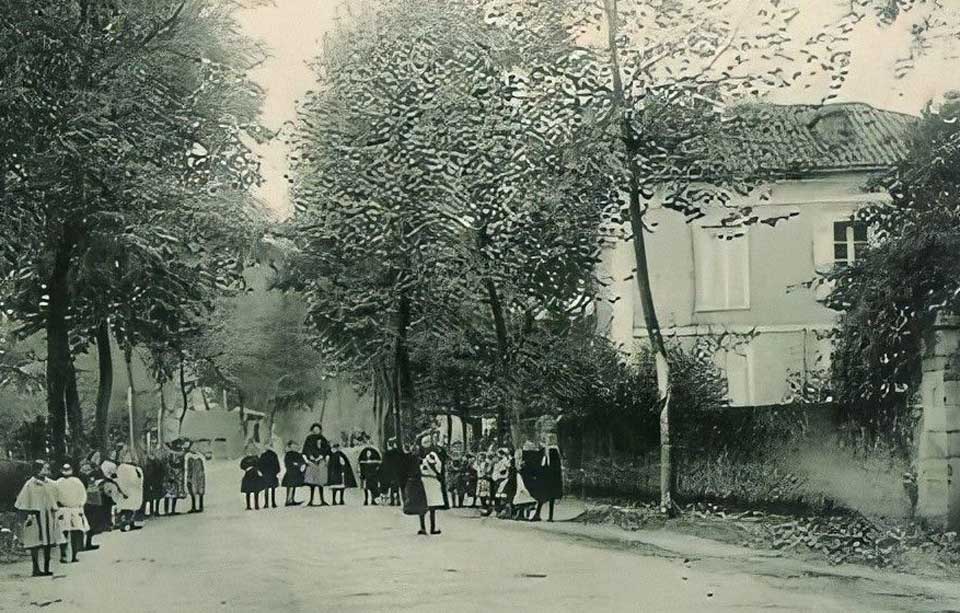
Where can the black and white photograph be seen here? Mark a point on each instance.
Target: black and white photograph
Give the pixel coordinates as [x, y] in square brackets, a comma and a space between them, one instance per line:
[479, 305]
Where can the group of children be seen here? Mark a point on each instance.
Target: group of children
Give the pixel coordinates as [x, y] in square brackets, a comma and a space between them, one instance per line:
[515, 485]
[317, 464]
[116, 493]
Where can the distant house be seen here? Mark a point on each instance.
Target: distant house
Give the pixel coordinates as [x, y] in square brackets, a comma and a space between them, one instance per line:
[739, 291]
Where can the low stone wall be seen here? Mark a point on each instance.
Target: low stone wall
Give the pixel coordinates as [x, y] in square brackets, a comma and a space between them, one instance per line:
[818, 469]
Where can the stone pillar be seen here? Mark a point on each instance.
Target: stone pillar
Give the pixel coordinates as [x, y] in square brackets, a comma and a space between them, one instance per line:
[938, 479]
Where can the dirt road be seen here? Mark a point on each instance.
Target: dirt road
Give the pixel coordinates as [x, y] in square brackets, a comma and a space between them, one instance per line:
[356, 558]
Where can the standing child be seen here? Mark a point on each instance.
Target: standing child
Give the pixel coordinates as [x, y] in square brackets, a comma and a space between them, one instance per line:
[95, 509]
[484, 481]
[71, 521]
[37, 511]
[294, 465]
[501, 480]
[468, 478]
[130, 480]
[340, 474]
[252, 482]
[453, 483]
[432, 480]
[392, 472]
[195, 468]
[270, 472]
[316, 450]
[152, 483]
[370, 461]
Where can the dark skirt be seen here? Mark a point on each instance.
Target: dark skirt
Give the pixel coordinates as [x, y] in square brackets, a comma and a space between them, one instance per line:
[551, 479]
[98, 516]
[252, 482]
[293, 477]
[414, 497]
[269, 481]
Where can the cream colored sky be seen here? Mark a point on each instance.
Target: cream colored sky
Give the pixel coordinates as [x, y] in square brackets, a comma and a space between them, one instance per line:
[293, 29]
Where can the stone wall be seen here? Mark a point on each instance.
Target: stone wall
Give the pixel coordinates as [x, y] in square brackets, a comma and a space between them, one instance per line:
[938, 479]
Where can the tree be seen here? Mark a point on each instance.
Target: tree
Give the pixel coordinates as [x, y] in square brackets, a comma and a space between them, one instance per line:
[891, 294]
[118, 121]
[442, 133]
[662, 98]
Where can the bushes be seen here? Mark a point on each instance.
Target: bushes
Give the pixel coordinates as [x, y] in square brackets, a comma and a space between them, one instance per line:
[618, 416]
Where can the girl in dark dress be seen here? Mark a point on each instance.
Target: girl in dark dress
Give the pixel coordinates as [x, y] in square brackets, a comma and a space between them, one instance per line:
[424, 492]
[370, 475]
[340, 475]
[252, 482]
[270, 471]
[392, 472]
[294, 465]
[316, 451]
[152, 483]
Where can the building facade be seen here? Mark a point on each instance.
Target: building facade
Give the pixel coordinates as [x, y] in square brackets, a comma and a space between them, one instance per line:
[743, 292]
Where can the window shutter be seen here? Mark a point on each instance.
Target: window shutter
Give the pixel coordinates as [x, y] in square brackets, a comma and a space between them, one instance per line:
[823, 256]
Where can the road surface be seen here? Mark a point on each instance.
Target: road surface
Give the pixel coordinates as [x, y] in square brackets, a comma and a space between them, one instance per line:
[355, 558]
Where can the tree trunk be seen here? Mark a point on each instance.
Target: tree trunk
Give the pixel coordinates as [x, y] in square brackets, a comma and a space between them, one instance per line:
[58, 355]
[388, 395]
[403, 378]
[643, 273]
[74, 411]
[104, 388]
[184, 397]
[463, 431]
[161, 413]
[503, 348]
[136, 427]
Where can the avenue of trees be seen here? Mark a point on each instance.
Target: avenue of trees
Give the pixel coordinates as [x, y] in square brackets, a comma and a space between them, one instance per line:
[457, 172]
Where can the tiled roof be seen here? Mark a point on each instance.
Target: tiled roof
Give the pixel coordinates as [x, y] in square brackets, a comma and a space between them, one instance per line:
[808, 138]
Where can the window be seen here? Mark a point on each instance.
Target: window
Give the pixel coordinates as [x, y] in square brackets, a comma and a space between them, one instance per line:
[722, 265]
[849, 241]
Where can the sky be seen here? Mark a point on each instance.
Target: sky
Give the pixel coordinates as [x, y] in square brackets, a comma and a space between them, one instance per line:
[292, 30]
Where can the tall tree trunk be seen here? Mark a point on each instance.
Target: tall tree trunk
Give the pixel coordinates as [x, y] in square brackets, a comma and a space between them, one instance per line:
[463, 431]
[161, 413]
[504, 423]
[104, 387]
[74, 411]
[133, 414]
[643, 272]
[58, 355]
[184, 395]
[404, 379]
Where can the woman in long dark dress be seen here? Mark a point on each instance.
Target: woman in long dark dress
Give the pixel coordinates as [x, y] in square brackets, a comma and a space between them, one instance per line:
[316, 451]
[550, 479]
[270, 473]
[293, 465]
